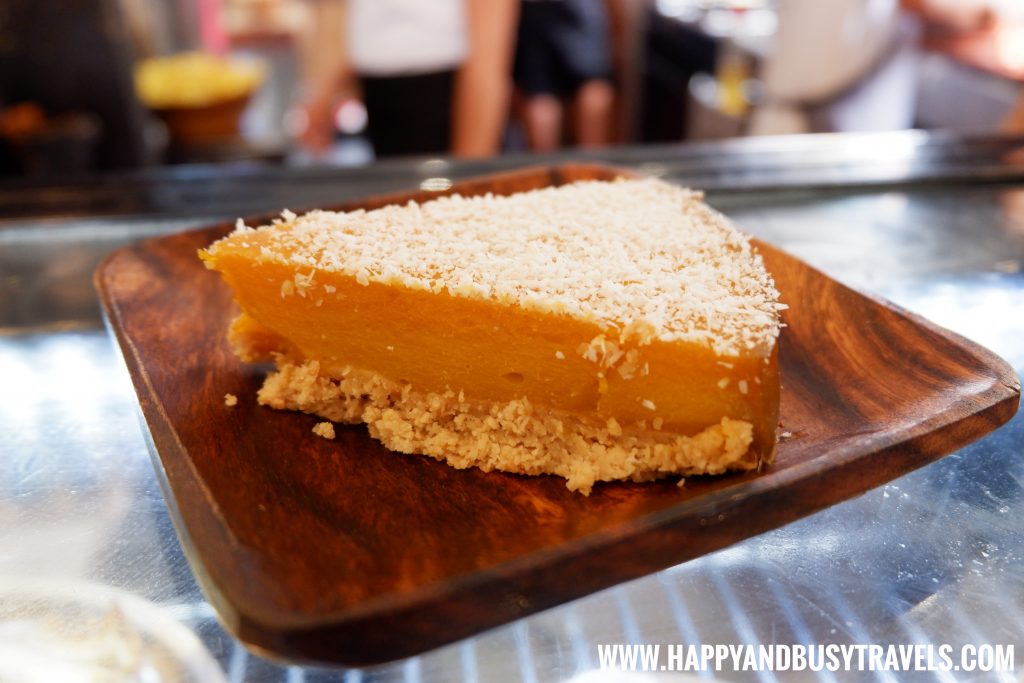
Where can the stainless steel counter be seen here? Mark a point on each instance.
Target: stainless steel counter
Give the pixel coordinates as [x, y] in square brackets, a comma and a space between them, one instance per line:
[936, 556]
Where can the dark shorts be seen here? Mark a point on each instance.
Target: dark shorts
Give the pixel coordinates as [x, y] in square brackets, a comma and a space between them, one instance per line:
[409, 115]
[561, 45]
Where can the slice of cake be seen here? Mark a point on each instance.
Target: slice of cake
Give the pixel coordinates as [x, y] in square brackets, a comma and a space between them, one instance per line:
[597, 331]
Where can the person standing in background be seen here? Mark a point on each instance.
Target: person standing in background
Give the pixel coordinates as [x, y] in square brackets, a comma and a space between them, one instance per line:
[563, 54]
[850, 65]
[433, 75]
[842, 65]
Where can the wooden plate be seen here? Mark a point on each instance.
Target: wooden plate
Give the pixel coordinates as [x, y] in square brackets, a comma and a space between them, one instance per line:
[340, 551]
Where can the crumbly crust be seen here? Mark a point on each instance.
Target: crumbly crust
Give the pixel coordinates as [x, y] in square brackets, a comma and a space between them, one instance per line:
[513, 437]
[324, 429]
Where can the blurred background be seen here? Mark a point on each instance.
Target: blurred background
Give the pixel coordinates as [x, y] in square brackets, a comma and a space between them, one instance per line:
[129, 119]
[89, 85]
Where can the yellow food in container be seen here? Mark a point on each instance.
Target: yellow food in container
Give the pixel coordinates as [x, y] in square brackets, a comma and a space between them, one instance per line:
[199, 96]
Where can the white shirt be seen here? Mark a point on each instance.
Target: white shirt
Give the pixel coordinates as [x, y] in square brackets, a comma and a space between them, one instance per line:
[406, 37]
[824, 46]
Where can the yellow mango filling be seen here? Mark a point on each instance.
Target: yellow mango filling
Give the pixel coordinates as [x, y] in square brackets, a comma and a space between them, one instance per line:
[440, 355]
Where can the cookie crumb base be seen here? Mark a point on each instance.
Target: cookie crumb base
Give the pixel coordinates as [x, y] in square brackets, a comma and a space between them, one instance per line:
[515, 437]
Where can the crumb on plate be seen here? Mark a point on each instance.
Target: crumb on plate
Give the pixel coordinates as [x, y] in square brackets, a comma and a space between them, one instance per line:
[324, 429]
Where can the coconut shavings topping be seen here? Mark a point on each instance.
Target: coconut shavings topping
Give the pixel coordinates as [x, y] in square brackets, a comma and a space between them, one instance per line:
[642, 259]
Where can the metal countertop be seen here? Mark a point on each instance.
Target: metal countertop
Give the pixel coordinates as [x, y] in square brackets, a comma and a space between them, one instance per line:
[934, 223]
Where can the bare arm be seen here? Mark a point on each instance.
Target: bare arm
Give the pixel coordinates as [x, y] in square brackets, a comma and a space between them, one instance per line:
[482, 88]
[326, 69]
[963, 15]
[1014, 123]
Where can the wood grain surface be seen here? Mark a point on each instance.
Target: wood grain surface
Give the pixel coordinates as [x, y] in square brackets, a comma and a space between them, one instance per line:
[343, 552]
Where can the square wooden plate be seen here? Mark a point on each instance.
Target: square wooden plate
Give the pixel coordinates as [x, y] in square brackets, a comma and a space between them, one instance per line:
[340, 551]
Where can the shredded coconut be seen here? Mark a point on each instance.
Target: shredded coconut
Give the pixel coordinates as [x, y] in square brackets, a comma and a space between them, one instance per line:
[642, 259]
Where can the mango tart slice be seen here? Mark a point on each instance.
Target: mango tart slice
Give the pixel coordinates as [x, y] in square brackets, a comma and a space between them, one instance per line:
[597, 331]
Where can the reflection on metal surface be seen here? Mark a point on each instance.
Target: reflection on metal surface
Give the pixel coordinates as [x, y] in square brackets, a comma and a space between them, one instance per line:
[969, 305]
[46, 267]
[72, 631]
[436, 184]
[937, 555]
[734, 166]
[435, 167]
[623, 677]
[654, 170]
